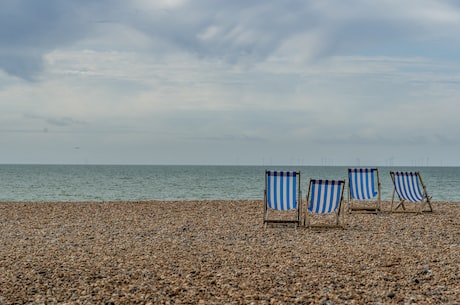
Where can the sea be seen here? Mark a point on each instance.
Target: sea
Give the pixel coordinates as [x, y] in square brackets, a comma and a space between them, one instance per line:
[99, 183]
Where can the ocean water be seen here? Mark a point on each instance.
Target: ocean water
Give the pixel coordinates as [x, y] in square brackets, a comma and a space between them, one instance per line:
[176, 182]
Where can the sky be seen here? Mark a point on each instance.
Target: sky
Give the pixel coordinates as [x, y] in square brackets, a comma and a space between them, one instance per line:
[263, 82]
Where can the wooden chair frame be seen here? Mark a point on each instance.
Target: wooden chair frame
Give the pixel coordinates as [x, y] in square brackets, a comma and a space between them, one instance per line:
[426, 200]
[337, 211]
[373, 204]
[267, 209]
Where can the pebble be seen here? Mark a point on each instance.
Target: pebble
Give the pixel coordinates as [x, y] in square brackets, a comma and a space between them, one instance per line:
[218, 252]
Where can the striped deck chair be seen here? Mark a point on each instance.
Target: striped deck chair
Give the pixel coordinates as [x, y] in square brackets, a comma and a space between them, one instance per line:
[325, 197]
[410, 187]
[282, 193]
[364, 187]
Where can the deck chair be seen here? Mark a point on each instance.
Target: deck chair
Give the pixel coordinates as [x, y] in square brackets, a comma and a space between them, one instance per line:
[282, 197]
[364, 187]
[410, 187]
[324, 197]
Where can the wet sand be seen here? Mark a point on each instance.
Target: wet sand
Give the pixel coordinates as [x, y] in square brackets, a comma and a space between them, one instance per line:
[217, 252]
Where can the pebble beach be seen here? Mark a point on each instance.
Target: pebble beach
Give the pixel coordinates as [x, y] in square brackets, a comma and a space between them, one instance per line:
[218, 252]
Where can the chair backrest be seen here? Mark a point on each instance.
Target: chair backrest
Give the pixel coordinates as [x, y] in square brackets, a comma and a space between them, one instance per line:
[325, 196]
[282, 188]
[362, 183]
[407, 185]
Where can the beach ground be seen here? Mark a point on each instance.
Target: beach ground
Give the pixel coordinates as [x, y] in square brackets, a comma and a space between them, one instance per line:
[218, 252]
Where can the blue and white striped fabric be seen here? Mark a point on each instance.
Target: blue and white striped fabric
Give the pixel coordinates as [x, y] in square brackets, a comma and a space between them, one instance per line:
[282, 189]
[407, 186]
[362, 183]
[325, 195]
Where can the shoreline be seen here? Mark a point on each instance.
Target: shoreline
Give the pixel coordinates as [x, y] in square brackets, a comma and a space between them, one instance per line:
[217, 251]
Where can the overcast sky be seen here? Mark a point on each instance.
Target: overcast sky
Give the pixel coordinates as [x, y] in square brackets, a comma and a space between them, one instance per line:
[264, 82]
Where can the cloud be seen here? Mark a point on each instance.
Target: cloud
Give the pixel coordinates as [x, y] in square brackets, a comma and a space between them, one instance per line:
[231, 77]
[31, 29]
[238, 32]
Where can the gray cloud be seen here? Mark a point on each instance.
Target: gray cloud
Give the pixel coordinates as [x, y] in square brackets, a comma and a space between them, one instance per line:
[234, 31]
[216, 79]
[55, 121]
[30, 29]
[447, 140]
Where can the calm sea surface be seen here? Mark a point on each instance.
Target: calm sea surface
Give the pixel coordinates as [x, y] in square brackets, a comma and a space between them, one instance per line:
[165, 182]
